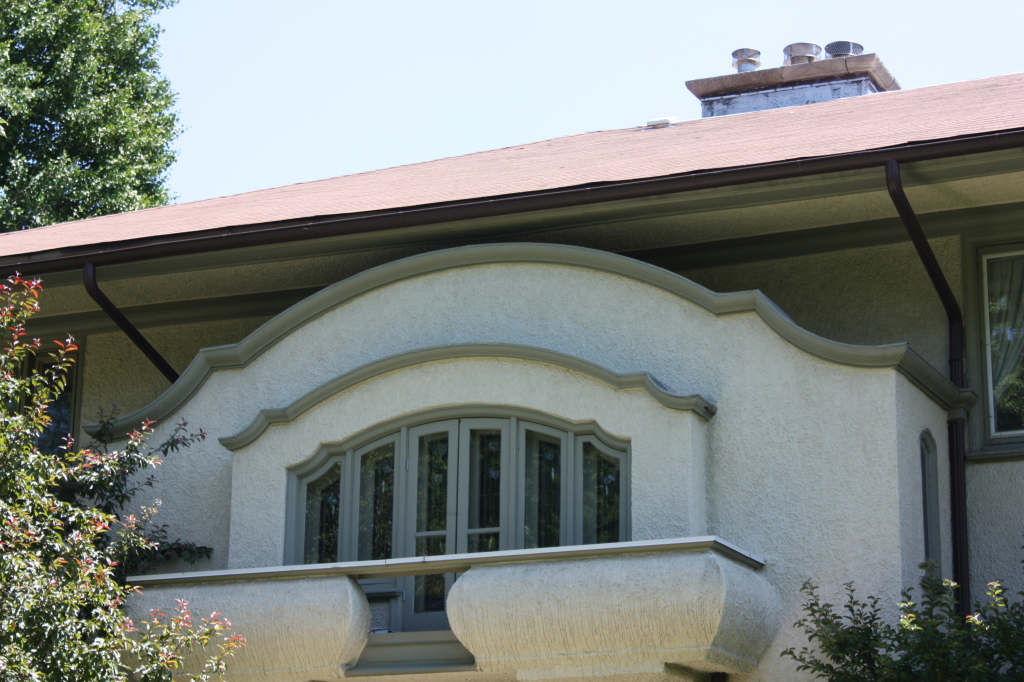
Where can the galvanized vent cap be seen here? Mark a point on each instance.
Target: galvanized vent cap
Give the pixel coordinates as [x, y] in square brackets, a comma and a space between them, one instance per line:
[843, 48]
[746, 59]
[801, 53]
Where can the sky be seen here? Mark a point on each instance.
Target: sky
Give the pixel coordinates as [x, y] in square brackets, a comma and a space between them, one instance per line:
[272, 93]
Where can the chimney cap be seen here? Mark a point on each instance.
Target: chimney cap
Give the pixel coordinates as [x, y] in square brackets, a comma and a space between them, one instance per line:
[801, 53]
[843, 48]
[746, 59]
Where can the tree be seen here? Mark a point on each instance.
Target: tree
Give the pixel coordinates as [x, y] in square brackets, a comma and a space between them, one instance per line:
[65, 543]
[89, 119]
[931, 643]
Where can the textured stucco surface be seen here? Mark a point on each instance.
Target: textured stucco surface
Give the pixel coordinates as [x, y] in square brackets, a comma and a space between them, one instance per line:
[995, 516]
[115, 372]
[597, 617]
[872, 295]
[295, 629]
[671, 503]
[791, 432]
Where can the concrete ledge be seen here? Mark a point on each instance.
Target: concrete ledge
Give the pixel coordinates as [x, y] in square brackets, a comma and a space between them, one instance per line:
[452, 563]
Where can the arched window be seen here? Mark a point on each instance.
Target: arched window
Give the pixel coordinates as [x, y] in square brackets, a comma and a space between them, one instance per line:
[930, 497]
[459, 485]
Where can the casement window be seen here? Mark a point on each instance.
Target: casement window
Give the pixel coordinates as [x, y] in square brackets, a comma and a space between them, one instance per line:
[1003, 283]
[475, 484]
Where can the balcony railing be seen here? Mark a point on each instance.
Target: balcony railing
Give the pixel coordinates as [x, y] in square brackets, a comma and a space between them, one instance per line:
[592, 610]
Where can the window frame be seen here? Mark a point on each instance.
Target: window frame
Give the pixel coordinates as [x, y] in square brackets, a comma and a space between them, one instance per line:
[992, 434]
[405, 429]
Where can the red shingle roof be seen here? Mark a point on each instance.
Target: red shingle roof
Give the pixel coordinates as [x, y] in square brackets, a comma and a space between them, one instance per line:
[836, 127]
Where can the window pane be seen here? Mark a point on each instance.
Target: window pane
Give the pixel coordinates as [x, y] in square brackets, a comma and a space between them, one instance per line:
[601, 475]
[51, 440]
[1006, 339]
[483, 542]
[543, 490]
[322, 507]
[429, 597]
[484, 478]
[432, 486]
[376, 501]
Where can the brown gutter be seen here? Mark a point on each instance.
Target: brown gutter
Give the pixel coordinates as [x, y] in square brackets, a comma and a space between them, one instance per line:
[332, 226]
[956, 431]
[89, 279]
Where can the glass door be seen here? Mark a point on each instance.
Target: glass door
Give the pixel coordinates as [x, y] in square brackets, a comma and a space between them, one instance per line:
[483, 522]
[433, 469]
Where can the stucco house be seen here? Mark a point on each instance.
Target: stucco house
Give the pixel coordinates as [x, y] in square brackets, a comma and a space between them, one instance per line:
[590, 407]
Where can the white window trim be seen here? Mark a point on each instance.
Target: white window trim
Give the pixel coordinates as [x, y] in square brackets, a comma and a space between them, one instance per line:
[990, 384]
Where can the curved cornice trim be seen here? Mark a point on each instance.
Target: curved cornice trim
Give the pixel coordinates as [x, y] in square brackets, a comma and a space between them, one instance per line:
[238, 355]
[654, 388]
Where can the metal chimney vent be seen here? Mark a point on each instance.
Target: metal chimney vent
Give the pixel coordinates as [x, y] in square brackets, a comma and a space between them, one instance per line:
[843, 48]
[801, 53]
[746, 59]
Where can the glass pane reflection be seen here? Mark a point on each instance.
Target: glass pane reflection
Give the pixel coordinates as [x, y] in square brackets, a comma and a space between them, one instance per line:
[432, 486]
[376, 502]
[601, 477]
[543, 490]
[484, 478]
[322, 508]
[429, 589]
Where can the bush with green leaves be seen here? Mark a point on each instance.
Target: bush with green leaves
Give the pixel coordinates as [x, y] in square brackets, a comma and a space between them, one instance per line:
[66, 543]
[931, 643]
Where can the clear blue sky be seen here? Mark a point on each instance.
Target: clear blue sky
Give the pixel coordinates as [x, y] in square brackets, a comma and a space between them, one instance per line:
[273, 93]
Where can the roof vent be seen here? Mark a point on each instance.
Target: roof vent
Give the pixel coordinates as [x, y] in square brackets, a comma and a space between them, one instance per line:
[801, 53]
[843, 48]
[662, 122]
[746, 59]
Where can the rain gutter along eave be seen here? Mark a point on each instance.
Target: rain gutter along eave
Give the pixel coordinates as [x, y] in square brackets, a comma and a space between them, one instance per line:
[241, 236]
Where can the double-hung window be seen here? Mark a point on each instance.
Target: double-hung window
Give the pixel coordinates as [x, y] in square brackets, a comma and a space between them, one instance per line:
[476, 484]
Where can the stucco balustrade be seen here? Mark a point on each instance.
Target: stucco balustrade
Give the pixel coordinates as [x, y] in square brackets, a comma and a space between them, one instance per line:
[616, 615]
[645, 608]
[296, 629]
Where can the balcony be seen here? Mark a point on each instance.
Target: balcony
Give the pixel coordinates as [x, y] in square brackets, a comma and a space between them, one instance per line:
[645, 607]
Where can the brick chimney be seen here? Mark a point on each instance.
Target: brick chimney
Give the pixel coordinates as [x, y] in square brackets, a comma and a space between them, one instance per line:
[804, 78]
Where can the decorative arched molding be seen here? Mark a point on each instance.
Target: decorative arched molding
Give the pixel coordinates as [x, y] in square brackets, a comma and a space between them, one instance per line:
[644, 381]
[898, 356]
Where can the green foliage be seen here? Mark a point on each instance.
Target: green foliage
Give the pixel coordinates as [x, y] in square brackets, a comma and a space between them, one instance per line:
[931, 643]
[61, 602]
[88, 113]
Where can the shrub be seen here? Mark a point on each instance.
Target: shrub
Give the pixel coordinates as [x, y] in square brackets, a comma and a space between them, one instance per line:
[932, 641]
[64, 549]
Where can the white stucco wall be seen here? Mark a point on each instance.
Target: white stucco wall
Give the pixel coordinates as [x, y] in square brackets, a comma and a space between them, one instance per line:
[116, 373]
[995, 517]
[872, 295]
[807, 462]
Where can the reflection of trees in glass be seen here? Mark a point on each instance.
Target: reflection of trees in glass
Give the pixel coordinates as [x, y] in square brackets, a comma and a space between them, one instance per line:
[543, 490]
[484, 478]
[51, 440]
[1006, 340]
[432, 486]
[376, 502]
[429, 589]
[322, 508]
[600, 496]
